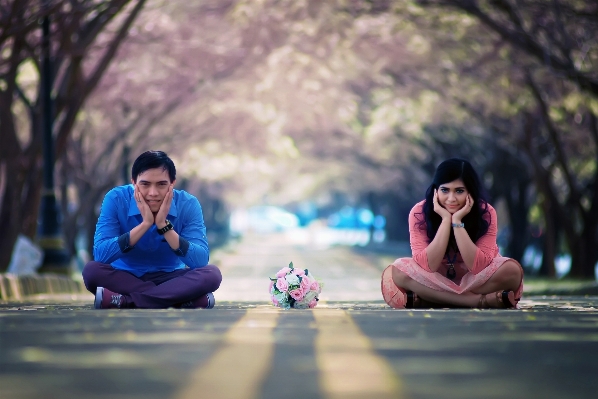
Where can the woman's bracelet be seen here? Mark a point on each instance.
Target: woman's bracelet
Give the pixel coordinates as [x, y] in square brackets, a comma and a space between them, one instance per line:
[458, 224]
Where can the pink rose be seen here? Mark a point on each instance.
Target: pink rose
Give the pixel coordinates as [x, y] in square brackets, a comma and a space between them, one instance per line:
[271, 285]
[315, 286]
[274, 301]
[282, 285]
[297, 294]
[299, 272]
[312, 303]
[305, 284]
[283, 272]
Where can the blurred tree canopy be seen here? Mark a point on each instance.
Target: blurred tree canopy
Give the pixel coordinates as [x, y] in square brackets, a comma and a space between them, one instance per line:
[290, 100]
[85, 36]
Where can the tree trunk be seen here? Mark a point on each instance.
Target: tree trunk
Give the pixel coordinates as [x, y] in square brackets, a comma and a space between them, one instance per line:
[549, 244]
[518, 210]
[584, 254]
[90, 221]
[9, 221]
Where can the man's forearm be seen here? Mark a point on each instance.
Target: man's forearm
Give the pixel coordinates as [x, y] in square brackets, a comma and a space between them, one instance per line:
[172, 238]
[137, 232]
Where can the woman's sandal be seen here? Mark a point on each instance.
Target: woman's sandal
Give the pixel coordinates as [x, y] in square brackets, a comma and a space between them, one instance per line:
[413, 301]
[505, 300]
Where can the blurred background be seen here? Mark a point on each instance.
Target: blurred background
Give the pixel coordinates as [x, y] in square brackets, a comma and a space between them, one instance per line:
[322, 119]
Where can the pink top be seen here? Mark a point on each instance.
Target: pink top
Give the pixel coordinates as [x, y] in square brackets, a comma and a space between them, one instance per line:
[487, 248]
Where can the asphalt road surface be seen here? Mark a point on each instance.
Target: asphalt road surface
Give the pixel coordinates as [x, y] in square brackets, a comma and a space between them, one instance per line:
[350, 346]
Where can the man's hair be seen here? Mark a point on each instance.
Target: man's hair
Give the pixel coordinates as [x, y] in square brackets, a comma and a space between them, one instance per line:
[153, 160]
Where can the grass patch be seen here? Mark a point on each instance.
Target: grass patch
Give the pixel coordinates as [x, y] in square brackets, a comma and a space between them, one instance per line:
[543, 285]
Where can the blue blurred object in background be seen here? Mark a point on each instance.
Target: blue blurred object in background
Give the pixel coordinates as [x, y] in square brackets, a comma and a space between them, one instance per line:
[263, 219]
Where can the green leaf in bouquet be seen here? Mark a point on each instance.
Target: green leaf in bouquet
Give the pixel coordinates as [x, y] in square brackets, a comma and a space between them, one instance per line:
[291, 266]
[273, 279]
[306, 272]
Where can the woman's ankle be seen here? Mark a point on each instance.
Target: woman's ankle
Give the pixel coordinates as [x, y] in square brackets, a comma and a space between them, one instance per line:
[502, 299]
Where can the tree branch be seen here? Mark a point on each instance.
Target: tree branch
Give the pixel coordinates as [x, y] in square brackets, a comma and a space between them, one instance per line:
[553, 134]
[524, 41]
[593, 211]
[543, 181]
[93, 80]
[93, 28]
[23, 97]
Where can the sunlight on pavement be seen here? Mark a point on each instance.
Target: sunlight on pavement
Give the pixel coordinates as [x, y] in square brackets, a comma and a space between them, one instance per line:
[239, 368]
[348, 365]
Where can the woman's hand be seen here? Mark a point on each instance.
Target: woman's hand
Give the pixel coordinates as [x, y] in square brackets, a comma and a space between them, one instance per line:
[460, 214]
[438, 208]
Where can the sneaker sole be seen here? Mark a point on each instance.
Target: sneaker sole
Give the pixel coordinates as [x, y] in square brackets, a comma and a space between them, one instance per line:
[211, 300]
[97, 304]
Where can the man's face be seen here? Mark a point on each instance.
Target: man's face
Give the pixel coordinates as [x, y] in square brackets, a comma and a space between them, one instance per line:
[153, 184]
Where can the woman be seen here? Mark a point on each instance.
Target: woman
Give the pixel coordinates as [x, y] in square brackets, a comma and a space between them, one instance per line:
[455, 259]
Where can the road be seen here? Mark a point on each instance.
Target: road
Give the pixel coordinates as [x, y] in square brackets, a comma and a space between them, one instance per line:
[350, 346]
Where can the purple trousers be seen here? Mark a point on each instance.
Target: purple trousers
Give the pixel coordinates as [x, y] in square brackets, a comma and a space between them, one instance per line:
[156, 290]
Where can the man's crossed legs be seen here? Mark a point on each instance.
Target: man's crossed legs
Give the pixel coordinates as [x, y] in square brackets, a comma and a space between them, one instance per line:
[182, 288]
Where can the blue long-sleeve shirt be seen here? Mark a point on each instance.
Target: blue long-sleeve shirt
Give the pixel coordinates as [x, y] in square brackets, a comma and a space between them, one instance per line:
[119, 215]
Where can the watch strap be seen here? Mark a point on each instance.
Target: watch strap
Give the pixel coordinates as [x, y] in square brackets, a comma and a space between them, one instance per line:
[166, 228]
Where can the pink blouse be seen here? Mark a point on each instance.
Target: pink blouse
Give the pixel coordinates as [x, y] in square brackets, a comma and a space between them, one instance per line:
[487, 248]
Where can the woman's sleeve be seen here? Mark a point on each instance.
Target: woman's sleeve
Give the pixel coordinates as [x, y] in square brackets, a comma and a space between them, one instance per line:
[418, 237]
[487, 248]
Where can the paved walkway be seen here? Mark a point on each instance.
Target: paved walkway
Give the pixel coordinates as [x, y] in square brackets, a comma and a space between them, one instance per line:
[351, 346]
[247, 266]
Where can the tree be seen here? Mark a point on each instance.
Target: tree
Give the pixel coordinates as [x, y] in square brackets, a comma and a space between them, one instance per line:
[84, 37]
[552, 50]
[167, 63]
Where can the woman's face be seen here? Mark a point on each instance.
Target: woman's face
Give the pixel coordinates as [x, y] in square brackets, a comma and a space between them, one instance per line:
[452, 196]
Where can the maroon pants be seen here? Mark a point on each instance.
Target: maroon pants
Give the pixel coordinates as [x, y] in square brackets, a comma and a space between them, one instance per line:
[156, 290]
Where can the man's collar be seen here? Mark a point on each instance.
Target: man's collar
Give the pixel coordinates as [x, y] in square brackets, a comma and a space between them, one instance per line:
[134, 210]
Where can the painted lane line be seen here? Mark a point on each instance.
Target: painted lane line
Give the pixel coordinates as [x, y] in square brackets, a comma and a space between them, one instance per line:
[348, 365]
[239, 368]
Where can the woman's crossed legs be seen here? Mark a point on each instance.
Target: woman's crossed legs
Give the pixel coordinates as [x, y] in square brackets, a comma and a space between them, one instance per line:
[506, 278]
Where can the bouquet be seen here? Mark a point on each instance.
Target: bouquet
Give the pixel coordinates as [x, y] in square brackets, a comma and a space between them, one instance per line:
[294, 288]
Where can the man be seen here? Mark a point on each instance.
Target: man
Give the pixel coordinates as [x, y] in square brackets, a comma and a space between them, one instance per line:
[150, 249]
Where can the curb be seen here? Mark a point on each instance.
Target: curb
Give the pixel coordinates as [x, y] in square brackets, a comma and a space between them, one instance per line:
[17, 287]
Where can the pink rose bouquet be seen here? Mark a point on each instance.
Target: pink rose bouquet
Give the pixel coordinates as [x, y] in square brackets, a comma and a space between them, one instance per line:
[294, 288]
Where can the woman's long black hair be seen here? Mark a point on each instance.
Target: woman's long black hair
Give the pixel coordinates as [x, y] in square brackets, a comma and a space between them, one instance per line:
[475, 222]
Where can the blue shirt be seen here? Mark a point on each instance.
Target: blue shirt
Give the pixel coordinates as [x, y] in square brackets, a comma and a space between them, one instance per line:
[119, 215]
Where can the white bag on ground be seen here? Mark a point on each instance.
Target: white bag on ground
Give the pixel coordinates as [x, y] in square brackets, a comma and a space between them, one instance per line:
[26, 257]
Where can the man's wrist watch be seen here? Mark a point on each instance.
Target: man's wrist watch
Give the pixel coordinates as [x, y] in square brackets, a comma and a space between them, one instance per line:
[166, 228]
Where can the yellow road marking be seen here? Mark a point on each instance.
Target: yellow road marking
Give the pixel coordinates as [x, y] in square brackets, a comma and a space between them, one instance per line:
[348, 366]
[238, 369]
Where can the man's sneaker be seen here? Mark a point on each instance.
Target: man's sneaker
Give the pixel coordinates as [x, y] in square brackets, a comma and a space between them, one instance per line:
[106, 299]
[204, 302]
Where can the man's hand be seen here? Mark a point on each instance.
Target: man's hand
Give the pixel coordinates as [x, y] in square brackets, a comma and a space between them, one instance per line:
[164, 209]
[144, 209]
[438, 208]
